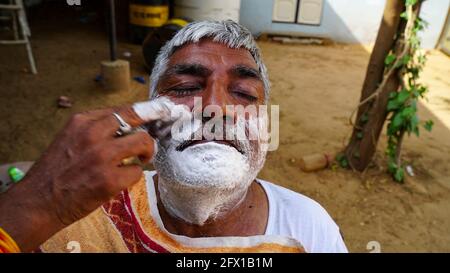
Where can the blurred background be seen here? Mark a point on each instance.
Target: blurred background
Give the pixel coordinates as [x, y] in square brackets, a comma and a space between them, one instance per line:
[316, 52]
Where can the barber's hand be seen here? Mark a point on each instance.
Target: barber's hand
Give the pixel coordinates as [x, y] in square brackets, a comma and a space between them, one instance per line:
[79, 172]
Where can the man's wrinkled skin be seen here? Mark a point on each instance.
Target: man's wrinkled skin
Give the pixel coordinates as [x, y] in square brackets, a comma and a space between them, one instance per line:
[81, 168]
[220, 76]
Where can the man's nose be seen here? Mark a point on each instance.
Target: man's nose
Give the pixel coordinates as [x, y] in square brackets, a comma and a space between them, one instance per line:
[216, 94]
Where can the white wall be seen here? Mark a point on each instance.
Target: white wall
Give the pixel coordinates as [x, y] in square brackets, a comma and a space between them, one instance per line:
[349, 21]
[207, 9]
[434, 12]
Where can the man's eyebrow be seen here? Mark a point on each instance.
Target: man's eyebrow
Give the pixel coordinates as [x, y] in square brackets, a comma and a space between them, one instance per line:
[244, 71]
[193, 69]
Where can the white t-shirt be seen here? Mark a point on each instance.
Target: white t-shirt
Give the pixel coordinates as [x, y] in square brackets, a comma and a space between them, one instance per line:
[294, 215]
[290, 215]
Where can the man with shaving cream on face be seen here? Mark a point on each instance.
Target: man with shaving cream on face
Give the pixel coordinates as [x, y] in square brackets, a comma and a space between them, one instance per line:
[203, 195]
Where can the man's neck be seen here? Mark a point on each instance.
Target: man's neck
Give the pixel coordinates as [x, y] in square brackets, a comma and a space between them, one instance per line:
[248, 218]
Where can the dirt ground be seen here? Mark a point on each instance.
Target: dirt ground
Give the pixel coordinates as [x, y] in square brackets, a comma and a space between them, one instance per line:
[316, 88]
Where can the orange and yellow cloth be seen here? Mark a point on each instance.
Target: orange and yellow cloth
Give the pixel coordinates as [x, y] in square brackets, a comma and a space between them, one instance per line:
[7, 244]
[131, 223]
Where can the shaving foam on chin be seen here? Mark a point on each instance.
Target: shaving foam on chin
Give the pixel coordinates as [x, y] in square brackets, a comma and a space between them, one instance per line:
[212, 178]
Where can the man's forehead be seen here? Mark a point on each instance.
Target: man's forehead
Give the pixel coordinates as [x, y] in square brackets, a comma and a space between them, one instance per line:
[210, 53]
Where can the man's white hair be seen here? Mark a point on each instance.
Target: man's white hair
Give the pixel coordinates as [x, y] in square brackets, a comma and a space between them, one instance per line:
[226, 32]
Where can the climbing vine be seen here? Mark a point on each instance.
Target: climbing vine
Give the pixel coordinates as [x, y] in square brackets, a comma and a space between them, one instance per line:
[404, 61]
[402, 104]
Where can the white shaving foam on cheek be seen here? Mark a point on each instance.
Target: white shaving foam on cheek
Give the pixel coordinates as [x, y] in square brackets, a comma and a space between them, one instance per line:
[163, 111]
[158, 108]
[161, 108]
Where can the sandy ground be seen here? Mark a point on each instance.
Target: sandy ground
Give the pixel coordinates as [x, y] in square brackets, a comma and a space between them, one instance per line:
[316, 88]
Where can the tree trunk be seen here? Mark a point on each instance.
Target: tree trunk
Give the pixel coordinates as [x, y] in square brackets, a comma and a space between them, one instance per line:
[363, 143]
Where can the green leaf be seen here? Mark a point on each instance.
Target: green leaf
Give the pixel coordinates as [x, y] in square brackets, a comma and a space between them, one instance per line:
[414, 72]
[428, 125]
[391, 130]
[422, 59]
[392, 105]
[399, 175]
[408, 112]
[414, 41]
[402, 96]
[410, 2]
[403, 61]
[397, 99]
[415, 92]
[390, 58]
[359, 135]
[344, 163]
[413, 122]
[364, 118]
[392, 167]
[398, 120]
[390, 151]
[420, 24]
[422, 90]
[404, 15]
[341, 158]
[414, 105]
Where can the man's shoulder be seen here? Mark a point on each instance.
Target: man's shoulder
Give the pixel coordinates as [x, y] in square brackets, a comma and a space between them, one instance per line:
[292, 201]
[296, 215]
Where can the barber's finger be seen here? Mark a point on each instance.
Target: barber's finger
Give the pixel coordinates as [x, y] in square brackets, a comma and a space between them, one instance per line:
[98, 113]
[139, 145]
[127, 176]
[108, 126]
[136, 115]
